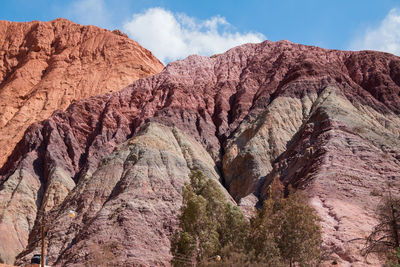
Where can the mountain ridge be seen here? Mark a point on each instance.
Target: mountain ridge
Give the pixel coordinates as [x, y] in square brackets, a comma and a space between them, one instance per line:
[45, 66]
[257, 111]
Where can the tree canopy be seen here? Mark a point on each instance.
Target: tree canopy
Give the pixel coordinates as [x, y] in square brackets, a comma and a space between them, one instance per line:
[284, 232]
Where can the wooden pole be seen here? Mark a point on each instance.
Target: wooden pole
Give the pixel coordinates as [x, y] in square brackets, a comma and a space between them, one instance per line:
[42, 257]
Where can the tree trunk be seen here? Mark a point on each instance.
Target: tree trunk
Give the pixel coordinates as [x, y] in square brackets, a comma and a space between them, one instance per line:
[394, 226]
[43, 253]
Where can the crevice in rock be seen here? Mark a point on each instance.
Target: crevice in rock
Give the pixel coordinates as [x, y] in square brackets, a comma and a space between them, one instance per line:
[83, 159]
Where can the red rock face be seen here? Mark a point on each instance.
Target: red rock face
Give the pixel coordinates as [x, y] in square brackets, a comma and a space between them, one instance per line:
[325, 121]
[45, 66]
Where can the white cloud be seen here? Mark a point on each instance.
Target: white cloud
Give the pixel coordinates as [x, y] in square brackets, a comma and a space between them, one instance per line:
[174, 36]
[93, 12]
[385, 37]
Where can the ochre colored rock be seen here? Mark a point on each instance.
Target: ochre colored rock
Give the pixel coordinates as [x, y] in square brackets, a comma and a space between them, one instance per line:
[324, 121]
[45, 66]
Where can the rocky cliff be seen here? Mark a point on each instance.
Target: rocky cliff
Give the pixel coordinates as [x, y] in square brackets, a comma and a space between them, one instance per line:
[45, 66]
[324, 121]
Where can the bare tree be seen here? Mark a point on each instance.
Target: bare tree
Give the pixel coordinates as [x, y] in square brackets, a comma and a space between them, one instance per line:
[385, 236]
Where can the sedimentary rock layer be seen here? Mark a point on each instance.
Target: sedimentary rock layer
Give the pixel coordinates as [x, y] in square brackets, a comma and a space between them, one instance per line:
[324, 121]
[45, 66]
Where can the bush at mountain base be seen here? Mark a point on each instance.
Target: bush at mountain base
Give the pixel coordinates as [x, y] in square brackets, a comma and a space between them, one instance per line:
[284, 232]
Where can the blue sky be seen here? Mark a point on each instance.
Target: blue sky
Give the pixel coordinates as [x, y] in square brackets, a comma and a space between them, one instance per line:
[207, 27]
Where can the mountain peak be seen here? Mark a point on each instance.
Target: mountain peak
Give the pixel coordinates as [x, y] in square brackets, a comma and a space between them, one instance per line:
[319, 119]
[46, 66]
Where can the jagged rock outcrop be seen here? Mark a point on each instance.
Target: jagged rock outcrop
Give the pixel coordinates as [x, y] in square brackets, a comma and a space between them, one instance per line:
[325, 121]
[45, 66]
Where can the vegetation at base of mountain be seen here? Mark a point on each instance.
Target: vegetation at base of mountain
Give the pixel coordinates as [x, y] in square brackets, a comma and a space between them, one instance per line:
[384, 239]
[393, 258]
[284, 232]
[208, 222]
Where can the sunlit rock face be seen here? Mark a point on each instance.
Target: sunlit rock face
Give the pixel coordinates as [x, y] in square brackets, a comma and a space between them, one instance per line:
[45, 66]
[324, 121]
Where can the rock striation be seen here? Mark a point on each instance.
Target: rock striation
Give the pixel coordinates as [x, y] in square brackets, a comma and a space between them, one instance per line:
[324, 121]
[45, 66]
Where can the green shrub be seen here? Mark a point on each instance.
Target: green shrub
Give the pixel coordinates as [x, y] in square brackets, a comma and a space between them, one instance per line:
[393, 258]
[208, 222]
[286, 228]
[284, 232]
